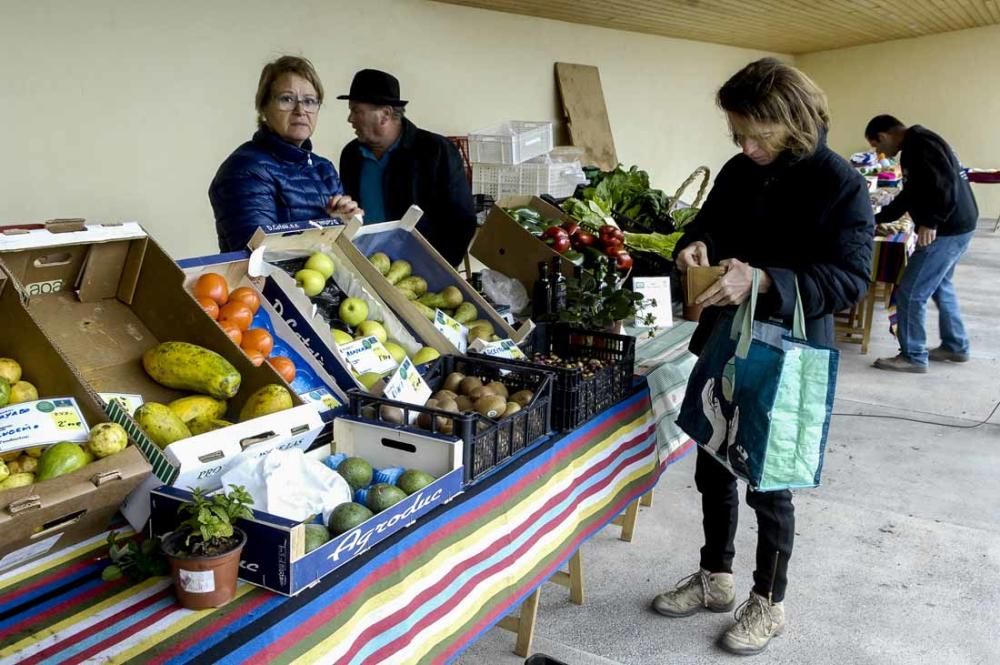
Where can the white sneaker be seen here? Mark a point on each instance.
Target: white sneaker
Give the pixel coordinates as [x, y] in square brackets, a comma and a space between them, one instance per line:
[757, 621]
[712, 591]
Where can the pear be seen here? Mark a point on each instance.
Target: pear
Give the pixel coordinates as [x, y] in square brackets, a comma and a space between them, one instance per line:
[398, 271]
[425, 355]
[425, 310]
[397, 352]
[452, 297]
[381, 261]
[369, 379]
[413, 283]
[465, 313]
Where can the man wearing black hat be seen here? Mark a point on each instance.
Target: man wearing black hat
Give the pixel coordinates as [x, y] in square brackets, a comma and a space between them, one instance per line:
[393, 165]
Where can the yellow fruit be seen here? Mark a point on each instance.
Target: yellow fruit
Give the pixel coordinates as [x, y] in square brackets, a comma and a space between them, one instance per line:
[58, 460]
[27, 464]
[269, 399]
[198, 407]
[107, 439]
[22, 391]
[4, 472]
[17, 480]
[191, 367]
[10, 370]
[160, 424]
[35, 452]
[10, 457]
[202, 425]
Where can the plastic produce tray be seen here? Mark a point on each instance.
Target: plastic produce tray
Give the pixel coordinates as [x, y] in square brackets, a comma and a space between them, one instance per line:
[511, 142]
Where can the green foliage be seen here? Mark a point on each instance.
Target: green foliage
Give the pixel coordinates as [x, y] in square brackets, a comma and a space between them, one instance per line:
[655, 243]
[595, 301]
[210, 519]
[137, 561]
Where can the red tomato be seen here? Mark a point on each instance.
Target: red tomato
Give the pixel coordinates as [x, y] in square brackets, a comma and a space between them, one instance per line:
[258, 339]
[238, 313]
[213, 286]
[210, 306]
[247, 296]
[233, 331]
[283, 366]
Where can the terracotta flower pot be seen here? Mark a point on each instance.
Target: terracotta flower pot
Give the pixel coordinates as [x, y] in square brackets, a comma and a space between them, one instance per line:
[203, 582]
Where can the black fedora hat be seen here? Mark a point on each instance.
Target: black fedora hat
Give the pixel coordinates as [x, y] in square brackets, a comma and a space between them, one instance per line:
[375, 87]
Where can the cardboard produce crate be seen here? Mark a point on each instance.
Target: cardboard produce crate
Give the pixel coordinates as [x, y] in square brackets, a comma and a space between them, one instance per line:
[401, 240]
[275, 557]
[274, 245]
[47, 516]
[104, 294]
[312, 382]
[501, 244]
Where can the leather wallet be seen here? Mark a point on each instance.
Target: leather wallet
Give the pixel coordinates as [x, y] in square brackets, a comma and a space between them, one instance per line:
[698, 278]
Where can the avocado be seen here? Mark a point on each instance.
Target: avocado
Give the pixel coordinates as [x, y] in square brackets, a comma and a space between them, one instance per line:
[383, 496]
[348, 516]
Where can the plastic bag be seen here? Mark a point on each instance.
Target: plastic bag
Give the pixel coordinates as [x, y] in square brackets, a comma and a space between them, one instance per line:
[503, 290]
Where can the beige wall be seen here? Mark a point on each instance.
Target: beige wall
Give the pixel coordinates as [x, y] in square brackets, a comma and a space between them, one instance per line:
[950, 83]
[117, 110]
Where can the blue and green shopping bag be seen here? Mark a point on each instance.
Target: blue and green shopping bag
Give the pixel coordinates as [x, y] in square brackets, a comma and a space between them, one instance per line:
[759, 399]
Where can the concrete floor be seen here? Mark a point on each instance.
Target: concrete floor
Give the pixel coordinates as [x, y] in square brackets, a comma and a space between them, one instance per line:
[897, 555]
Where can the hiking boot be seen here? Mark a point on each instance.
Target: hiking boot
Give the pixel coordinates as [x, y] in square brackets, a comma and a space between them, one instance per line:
[900, 363]
[712, 591]
[757, 621]
[943, 355]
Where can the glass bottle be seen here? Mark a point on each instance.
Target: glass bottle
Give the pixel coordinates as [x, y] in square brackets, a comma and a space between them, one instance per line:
[559, 287]
[541, 301]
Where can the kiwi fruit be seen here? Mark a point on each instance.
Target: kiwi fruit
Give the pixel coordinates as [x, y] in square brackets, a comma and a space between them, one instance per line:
[498, 388]
[368, 412]
[481, 391]
[469, 384]
[464, 403]
[522, 397]
[512, 408]
[491, 406]
[424, 419]
[444, 394]
[391, 414]
[452, 382]
[448, 404]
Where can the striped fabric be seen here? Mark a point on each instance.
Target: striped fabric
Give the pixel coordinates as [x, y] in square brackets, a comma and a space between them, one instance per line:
[421, 596]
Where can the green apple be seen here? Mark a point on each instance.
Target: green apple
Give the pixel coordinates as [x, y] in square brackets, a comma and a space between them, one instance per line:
[311, 281]
[425, 355]
[340, 337]
[353, 311]
[369, 328]
[369, 379]
[322, 264]
[398, 352]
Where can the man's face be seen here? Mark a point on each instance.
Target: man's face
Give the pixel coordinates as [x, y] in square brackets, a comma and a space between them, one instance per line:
[884, 143]
[369, 121]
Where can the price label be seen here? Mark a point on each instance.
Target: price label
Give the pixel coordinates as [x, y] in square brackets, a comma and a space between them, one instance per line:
[368, 355]
[67, 420]
[655, 310]
[127, 401]
[406, 385]
[322, 399]
[41, 423]
[456, 333]
[505, 348]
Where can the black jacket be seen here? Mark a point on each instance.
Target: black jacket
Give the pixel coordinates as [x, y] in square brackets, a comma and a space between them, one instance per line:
[809, 219]
[936, 191]
[425, 169]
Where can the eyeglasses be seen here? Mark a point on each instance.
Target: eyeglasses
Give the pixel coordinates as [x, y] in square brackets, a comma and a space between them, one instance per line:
[289, 102]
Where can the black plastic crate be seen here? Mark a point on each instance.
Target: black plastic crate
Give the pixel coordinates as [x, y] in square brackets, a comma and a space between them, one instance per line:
[487, 443]
[577, 397]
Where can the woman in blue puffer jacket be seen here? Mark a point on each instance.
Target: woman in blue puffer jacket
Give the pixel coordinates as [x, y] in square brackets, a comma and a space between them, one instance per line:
[275, 177]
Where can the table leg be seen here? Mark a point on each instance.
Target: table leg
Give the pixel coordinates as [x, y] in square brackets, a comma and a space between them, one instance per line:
[869, 315]
[573, 580]
[627, 521]
[647, 499]
[523, 624]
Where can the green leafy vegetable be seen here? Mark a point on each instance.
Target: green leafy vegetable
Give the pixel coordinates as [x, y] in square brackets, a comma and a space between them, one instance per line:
[655, 243]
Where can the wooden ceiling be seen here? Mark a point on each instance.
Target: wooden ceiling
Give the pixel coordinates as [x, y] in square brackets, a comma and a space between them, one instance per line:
[784, 26]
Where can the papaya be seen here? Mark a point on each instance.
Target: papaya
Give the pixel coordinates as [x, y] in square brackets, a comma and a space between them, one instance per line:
[60, 459]
[191, 367]
[17, 480]
[202, 425]
[4, 392]
[197, 407]
[160, 424]
[269, 399]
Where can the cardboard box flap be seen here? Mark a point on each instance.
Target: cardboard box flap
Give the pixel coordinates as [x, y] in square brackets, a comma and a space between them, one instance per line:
[272, 233]
[408, 222]
[62, 233]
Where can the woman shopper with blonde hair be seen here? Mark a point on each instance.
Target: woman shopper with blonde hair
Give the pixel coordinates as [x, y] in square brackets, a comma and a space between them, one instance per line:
[792, 209]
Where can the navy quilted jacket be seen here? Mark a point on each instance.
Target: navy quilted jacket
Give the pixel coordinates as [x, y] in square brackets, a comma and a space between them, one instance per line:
[269, 181]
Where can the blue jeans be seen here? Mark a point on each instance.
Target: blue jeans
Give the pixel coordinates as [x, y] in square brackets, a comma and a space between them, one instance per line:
[929, 275]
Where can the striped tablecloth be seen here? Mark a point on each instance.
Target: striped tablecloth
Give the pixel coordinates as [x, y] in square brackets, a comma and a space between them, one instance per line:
[421, 596]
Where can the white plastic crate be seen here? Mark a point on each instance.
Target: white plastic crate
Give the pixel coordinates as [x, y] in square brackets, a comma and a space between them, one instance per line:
[557, 179]
[510, 143]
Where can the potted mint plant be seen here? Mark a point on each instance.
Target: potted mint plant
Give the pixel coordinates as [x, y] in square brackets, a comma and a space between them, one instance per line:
[204, 551]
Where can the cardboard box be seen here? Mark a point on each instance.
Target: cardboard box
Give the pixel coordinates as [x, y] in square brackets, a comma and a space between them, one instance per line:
[401, 240]
[288, 241]
[104, 294]
[320, 389]
[501, 244]
[275, 557]
[53, 514]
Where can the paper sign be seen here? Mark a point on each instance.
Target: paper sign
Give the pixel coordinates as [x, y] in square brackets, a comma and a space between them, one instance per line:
[127, 401]
[505, 348]
[655, 293]
[406, 385]
[30, 552]
[368, 355]
[322, 399]
[456, 333]
[41, 423]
